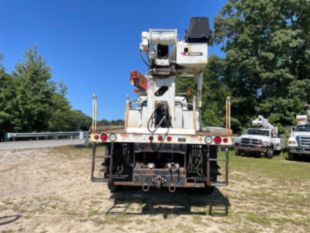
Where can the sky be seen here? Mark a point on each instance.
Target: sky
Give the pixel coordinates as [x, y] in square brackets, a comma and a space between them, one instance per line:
[93, 45]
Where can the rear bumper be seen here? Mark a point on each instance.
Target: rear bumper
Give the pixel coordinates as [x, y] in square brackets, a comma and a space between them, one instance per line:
[299, 150]
[197, 139]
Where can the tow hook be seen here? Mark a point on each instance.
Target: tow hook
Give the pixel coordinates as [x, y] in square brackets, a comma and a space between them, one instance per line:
[172, 188]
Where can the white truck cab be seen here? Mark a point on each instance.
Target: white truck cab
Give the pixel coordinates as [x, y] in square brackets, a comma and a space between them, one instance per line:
[260, 141]
[299, 141]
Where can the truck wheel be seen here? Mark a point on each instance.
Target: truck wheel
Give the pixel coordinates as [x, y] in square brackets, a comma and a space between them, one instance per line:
[290, 156]
[269, 153]
[112, 187]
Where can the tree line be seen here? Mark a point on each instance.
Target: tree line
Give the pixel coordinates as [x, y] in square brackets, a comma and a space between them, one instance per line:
[31, 102]
[266, 68]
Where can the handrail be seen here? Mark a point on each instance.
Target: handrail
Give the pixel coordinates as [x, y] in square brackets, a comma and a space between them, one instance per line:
[71, 134]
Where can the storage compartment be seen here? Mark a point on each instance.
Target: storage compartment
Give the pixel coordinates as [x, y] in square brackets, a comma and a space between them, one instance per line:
[192, 55]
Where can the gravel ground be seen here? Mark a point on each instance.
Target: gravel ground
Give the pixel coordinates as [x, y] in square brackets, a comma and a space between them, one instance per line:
[49, 190]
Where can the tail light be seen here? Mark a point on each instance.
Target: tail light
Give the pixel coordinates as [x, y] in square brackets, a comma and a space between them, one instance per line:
[217, 140]
[225, 140]
[169, 138]
[160, 138]
[104, 137]
[151, 138]
[96, 137]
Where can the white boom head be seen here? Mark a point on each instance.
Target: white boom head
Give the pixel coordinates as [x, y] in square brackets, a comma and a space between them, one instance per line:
[304, 119]
[301, 119]
[166, 55]
[260, 121]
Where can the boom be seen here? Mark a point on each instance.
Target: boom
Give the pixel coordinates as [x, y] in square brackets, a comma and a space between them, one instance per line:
[260, 121]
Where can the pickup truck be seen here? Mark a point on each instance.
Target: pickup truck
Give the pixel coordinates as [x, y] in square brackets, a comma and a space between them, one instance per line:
[259, 141]
[299, 141]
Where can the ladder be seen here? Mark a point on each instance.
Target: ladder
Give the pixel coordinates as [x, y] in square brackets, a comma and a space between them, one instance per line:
[93, 165]
[209, 160]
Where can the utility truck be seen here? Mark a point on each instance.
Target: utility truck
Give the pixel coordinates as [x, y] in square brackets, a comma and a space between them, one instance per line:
[263, 139]
[163, 142]
[299, 140]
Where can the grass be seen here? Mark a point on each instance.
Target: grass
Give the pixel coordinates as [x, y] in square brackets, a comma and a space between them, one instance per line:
[276, 168]
[272, 192]
[259, 219]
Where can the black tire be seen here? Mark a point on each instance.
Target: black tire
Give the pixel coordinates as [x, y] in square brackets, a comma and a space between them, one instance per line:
[237, 152]
[269, 153]
[261, 155]
[112, 187]
[290, 156]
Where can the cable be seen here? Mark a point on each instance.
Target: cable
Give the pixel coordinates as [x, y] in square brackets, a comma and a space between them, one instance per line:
[143, 59]
[151, 121]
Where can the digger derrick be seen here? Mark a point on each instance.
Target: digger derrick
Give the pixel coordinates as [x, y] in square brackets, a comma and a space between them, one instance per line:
[163, 142]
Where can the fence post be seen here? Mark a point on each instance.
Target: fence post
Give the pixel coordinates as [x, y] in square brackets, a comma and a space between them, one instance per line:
[81, 135]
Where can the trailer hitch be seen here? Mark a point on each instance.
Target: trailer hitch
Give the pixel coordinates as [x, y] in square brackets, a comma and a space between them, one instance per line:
[159, 181]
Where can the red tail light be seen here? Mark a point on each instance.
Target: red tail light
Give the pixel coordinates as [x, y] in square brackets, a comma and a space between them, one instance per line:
[217, 140]
[225, 140]
[151, 138]
[160, 138]
[96, 137]
[104, 137]
[169, 138]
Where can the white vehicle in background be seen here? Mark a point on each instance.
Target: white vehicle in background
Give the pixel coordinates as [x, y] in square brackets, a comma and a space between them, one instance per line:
[264, 141]
[299, 140]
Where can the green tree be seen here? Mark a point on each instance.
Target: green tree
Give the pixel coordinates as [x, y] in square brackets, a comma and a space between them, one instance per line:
[79, 121]
[267, 58]
[60, 119]
[214, 94]
[7, 104]
[34, 92]
[30, 101]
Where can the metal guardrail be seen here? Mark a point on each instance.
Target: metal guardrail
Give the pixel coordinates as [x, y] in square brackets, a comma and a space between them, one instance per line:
[55, 135]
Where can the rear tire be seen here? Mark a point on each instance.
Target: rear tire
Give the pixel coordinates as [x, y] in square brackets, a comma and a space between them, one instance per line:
[290, 156]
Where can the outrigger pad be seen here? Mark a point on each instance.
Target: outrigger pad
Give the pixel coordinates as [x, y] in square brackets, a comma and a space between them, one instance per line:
[198, 31]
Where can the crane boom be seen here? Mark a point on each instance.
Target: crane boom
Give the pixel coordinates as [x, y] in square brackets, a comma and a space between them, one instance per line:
[261, 121]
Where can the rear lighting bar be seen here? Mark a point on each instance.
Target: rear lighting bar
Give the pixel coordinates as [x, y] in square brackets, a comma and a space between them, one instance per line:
[105, 137]
[210, 140]
[217, 140]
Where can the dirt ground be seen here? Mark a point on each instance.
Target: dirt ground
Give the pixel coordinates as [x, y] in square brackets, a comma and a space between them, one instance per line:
[49, 190]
